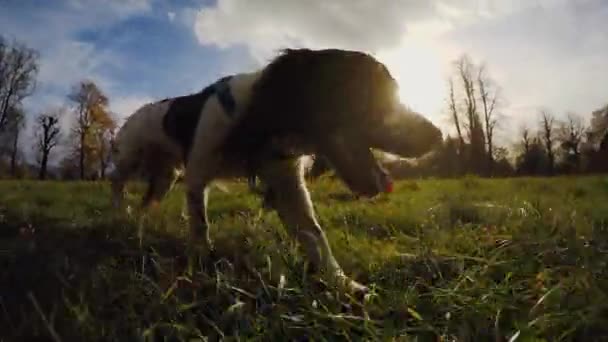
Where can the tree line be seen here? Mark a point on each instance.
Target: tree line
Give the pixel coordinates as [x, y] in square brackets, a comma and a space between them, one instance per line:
[85, 144]
[551, 147]
[76, 138]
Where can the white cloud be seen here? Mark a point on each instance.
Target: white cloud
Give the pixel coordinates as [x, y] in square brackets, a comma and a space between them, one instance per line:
[171, 16]
[542, 52]
[127, 105]
[71, 61]
[264, 26]
[402, 34]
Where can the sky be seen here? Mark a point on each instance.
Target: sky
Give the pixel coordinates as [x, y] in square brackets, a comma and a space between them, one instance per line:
[542, 53]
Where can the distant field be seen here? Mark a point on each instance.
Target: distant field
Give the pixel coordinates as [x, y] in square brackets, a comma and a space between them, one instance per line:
[468, 259]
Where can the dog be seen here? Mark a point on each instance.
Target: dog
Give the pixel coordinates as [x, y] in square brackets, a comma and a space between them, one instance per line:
[340, 104]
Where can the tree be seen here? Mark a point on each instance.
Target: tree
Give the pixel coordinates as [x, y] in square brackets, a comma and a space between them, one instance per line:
[455, 117]
[547, 125]
[596, 149]
[448, 159]
[103, 131]
[599, 125]
[531, 159]
[16, 126]
[475, 150]
[571, 135]
[489, 97]
[47, 137]
[18, 71]
[91, 113]
[502, 166]
[475, 133]
[525, 139]
[9, 138]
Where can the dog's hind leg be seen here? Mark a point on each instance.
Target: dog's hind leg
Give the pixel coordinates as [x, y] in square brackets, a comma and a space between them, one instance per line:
[159, 182]
[123, 169]
[293, 204]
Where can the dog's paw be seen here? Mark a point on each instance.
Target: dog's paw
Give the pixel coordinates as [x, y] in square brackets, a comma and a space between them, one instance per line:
[358, 290]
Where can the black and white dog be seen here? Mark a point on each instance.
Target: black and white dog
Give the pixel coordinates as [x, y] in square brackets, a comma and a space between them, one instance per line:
[337, 103]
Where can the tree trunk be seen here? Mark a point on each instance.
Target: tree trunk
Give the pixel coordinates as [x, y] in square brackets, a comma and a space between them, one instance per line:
[490, 156]
[454, 112]
[4, 113]
[102, 161]
[14, 154]
[43, 163]
[551, 162]
[81, 156]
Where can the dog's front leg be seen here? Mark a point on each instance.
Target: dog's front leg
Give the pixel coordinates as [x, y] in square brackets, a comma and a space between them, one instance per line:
[197, 180]
[118, 177]
[293, 204]
[202, 165]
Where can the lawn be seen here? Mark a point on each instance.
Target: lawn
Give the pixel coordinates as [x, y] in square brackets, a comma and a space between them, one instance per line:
[452, 260]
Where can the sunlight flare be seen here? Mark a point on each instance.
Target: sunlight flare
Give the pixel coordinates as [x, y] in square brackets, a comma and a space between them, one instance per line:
[419, 70]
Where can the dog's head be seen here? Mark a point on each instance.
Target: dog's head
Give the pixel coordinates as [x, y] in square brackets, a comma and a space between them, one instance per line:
[374, 118]
[403, 132]
[340, 102]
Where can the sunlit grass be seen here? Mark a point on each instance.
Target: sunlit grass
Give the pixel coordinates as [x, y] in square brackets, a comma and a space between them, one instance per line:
[467, 259]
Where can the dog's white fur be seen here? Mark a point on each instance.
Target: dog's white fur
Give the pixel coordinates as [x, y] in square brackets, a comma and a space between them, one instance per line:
[142, 145]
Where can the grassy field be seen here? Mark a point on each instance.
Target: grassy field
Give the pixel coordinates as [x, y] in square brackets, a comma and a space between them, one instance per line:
[447, 260]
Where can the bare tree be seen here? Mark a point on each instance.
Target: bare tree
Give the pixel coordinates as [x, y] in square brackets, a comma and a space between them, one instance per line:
[17, 127]
[9, 138]
[465, 72]
[489, 96]
[599, 125]
[548, 125]
[525, 139]
[465, 69]
[571, 135]
[18, 71]
[47, 134]
[90, 109]
[531, 159]
[455, 116]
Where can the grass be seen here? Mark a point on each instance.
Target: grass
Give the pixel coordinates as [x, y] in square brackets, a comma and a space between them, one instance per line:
[447, 260]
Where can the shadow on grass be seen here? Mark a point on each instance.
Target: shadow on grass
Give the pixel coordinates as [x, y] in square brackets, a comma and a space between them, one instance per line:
[46, 262]
[103, 283]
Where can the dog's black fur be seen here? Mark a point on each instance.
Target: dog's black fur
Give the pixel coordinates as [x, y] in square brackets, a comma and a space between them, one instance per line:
[330, 90]
[184, 112]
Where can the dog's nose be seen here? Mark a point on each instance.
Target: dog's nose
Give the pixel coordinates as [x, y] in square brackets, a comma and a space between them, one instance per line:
[389, 187]
[384, 182]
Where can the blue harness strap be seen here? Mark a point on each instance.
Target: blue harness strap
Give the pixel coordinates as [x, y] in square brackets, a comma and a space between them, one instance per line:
[224, 95]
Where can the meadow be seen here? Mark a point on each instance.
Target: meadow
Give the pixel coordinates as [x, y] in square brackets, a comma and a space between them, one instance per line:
[470, 259]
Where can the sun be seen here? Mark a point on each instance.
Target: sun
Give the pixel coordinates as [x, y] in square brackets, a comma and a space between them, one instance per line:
[418, 70]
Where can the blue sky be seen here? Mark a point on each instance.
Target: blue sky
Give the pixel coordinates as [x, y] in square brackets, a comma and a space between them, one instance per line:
[135, 50]
[542, 53]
